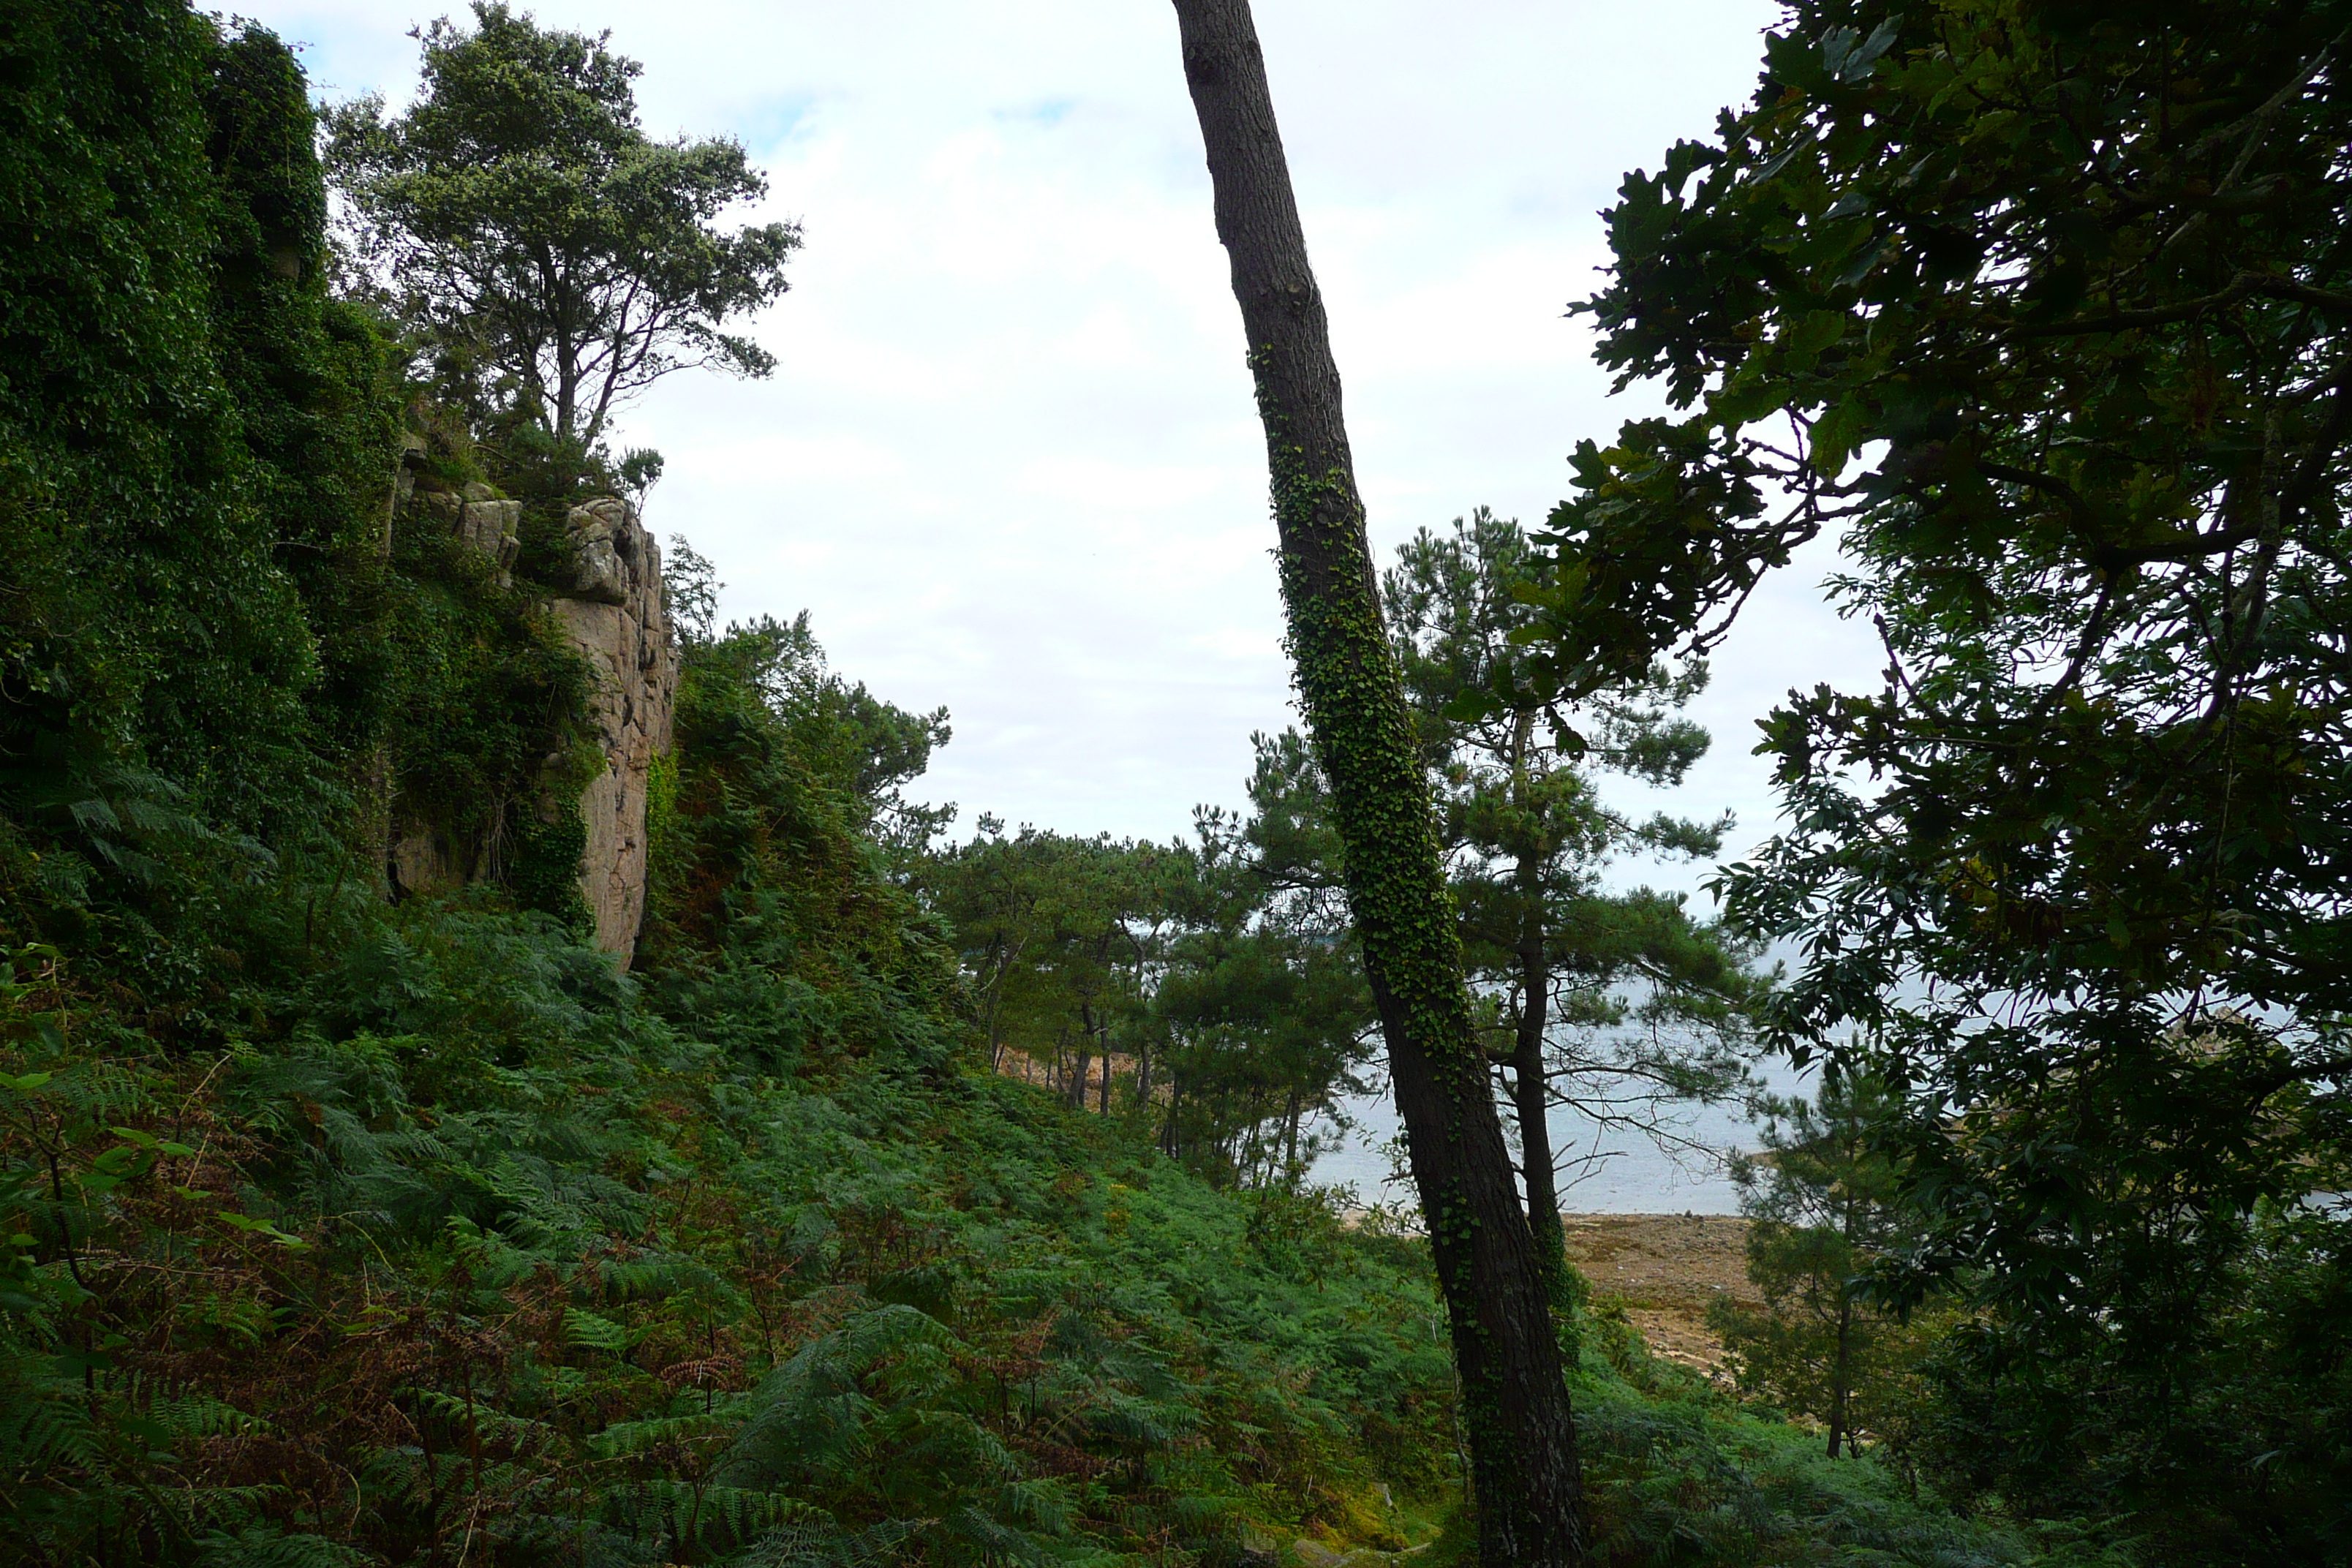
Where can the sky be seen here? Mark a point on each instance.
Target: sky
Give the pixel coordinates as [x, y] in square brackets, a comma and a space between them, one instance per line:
[1009, 462]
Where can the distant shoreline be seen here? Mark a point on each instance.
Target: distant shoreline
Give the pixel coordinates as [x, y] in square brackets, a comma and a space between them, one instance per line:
[1666, 1270]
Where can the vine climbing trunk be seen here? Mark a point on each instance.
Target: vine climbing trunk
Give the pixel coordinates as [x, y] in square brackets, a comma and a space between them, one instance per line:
[1523, 1461]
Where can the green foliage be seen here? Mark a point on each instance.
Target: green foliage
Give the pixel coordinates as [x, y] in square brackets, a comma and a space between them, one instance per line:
[551, 258]
[305, 371]
[564, 1272]
[1227, 993]
[493, 731]
[2066, 1421]
[774, 921]
[492, 735]
[335, 1230]
[1266, 1023]
[1824, 1203]
[1268, 996]
[1058, 937]
[194, 439]
[1614, 1005]
[2043, 309]
[1675, 1478]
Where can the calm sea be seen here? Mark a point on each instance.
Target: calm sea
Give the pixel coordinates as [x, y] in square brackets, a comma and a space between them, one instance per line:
[1604, 1170]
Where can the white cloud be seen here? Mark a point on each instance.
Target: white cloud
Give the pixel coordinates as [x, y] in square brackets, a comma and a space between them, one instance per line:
[1010, 461]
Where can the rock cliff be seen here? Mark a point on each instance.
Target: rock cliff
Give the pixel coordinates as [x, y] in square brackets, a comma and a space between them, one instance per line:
[615, 616]
[484, 520]
[612, 611]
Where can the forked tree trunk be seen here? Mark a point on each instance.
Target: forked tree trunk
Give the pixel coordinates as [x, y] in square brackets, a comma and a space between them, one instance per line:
[1530, 1493]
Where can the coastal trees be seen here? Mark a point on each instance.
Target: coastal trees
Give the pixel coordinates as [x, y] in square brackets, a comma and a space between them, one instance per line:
[1613, 1005]
[1189, 986]
[2046, 313]
[1060, 937]
[551, 258]
[1522, 1439]
[1824, 1202]
[1264, 1014]
[1608, 1003]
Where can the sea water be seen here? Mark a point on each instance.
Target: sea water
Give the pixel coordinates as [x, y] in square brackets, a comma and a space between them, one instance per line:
[1603, 1169]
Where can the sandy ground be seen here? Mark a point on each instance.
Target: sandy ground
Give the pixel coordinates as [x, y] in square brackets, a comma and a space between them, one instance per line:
[1665, 1268]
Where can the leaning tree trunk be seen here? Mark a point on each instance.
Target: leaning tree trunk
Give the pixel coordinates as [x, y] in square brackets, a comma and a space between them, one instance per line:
[1528, 1490]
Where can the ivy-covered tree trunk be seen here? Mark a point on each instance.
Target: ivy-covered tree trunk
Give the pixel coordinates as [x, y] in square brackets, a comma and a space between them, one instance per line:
[1529, 1492]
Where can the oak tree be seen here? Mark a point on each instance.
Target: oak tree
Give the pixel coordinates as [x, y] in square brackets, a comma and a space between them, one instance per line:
[2045, 311]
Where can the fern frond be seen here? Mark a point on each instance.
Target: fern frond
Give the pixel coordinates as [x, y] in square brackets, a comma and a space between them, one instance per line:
[626, 1438]
[262, 1547]
[590, 1331]
[44, 1433]
[484, 1417]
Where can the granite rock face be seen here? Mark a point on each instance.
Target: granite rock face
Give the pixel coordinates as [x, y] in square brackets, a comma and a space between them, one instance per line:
[423, 855]
[605, 537]
[614, 615]
[483, 520]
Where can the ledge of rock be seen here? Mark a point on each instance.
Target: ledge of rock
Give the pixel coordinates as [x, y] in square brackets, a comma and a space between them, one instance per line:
[615, 616]
[484, 520]
[607, 540]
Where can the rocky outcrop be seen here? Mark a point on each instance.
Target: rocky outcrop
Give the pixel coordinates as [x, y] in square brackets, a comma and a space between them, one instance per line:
[612, 611]
[424, 859]
[480, 517]
[614, 615]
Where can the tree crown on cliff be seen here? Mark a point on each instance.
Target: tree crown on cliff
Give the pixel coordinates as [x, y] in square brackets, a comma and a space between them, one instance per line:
[550, 258]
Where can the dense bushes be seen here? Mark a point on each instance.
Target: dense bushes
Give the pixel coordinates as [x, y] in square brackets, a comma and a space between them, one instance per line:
[191, 434]
[454, 1237]
[335, 1230]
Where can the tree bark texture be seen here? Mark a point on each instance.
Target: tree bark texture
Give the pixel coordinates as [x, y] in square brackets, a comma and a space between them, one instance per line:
[1531, 1096]
[1528, 1490]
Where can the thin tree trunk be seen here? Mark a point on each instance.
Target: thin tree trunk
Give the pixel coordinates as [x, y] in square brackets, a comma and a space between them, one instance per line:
[1527, 1486]
[1531, 1090]
[1532, 1099]
[995, 1009]
[1085, 1054]
[1841, 1384]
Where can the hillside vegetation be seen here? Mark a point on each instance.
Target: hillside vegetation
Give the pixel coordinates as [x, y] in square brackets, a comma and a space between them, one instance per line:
[341, 1230]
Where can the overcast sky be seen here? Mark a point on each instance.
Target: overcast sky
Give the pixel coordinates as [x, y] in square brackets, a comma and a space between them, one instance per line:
[1009, 462]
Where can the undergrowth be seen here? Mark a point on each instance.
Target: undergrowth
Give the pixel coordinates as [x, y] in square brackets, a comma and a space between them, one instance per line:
[452, 1245]
[340, 1231]
[461, 1248]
